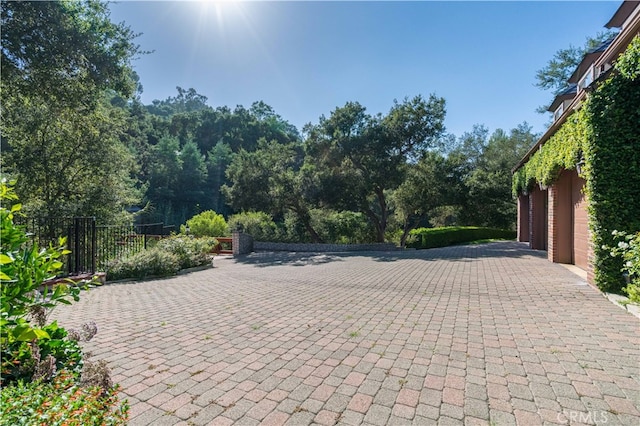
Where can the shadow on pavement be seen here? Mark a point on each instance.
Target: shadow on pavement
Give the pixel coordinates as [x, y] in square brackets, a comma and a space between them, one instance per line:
[462, 253]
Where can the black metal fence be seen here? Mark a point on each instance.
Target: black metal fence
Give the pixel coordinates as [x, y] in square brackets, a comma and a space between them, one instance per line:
[116, 242]
[80, 234]
[92, 246]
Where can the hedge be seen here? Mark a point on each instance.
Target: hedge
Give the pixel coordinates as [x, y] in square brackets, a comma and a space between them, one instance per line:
[424, 238]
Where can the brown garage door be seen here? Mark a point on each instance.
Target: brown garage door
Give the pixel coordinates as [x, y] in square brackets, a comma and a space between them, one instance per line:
[580, 223]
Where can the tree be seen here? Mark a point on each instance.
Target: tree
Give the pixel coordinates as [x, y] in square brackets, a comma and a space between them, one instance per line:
[60, 133]
[70, 164]
[218, 159]
[558, 70]
[428, 185]
[190, 192]
[367, 155]
[65, 51]
[487, 174]
[273, 179]
[166, 167]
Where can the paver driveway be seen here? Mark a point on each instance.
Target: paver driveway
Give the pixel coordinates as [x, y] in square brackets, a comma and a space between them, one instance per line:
[489, 334]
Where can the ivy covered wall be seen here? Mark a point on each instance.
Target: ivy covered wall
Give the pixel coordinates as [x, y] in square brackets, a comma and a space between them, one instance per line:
[613, 158]
[606, 133]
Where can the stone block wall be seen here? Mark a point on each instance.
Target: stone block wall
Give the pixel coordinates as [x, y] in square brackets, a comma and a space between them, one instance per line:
[242, 243]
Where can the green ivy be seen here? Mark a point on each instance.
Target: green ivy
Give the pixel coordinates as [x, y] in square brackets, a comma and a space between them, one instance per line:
[613, 185]
[561, 151]
[605, 132]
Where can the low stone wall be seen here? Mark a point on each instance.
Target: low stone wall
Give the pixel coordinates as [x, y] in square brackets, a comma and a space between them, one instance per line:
[323, 248]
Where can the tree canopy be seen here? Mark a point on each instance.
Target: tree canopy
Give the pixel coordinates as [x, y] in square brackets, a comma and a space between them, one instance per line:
[60, 134]
[80, 142]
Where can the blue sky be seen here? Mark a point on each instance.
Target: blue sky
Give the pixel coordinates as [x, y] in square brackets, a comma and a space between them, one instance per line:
[307, 58]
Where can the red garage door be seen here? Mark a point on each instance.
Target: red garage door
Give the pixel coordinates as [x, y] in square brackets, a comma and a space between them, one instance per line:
[580, 223]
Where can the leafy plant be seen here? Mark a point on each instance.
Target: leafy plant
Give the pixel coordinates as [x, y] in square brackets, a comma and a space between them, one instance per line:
[166, 258]
[24, 270]
[43, 374]
[423, 238]
[605, 132]
[191, 252]
[150, 262]
[259, 225]
[23, 360]
[628, 249]
[61, 402]
[206, 224]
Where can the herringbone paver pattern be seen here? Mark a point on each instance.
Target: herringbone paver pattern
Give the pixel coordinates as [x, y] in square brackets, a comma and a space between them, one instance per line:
[490, 334]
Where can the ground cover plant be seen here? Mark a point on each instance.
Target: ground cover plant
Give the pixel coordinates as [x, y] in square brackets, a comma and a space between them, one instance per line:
[423, 238]
[44, 375]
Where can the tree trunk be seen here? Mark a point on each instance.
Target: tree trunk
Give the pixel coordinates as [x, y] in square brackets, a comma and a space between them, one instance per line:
[305, 218]
[382, 223]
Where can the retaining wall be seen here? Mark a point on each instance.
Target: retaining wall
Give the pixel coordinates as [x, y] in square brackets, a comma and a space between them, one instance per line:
[297, 247]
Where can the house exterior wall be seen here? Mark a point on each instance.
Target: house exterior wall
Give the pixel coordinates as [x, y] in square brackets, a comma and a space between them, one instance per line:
[568, 240]
[581, 244]
[566, 210]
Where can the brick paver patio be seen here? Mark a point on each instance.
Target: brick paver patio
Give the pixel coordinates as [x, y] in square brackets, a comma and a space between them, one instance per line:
[490, 334]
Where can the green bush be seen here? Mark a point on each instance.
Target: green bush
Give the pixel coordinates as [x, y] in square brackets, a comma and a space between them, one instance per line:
[25, 339]
[191, 252]
[206, 224]
[345, 227]
[19, 362]
[259, 225]
[423, 238]
[613, 164]
[628, 250]
[150, 262]
[60, 402]
[167, 257]
[43, 373]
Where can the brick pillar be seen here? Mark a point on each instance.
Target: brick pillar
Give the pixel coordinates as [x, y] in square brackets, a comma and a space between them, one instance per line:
[552, 235]
[242, 243]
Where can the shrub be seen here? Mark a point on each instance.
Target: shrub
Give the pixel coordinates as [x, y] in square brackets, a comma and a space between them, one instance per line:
[206, 224]
[628, 249]
[259, 225]
[423, 238]
[150, 262]
[42, 374]
[62, 401]
[28, 361]
[27, 345]
[345, 227]
[166, 258]
[191, 252]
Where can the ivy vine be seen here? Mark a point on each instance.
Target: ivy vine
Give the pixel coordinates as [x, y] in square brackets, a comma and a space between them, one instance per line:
[605, 133]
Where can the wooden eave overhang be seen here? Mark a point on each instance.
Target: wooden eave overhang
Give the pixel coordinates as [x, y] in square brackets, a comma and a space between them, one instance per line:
[584, 65]
[622, 14]
[565, 95]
